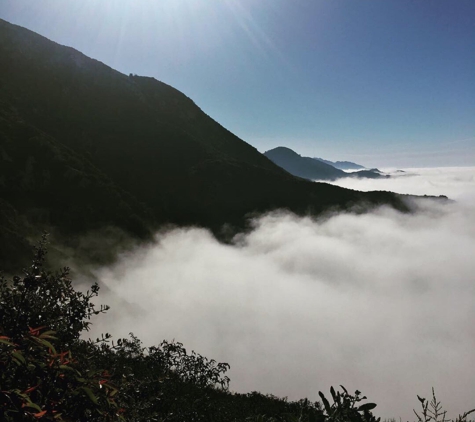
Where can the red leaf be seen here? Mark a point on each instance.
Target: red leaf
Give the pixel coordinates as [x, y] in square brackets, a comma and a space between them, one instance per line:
[30, 389]
[36, 331]
[39, 414]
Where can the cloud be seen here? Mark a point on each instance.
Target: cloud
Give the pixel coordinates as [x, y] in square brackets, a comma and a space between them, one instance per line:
[381, 302]
[455, 182]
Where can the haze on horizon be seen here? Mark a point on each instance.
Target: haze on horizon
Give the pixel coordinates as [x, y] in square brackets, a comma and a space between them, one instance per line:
[381, 83]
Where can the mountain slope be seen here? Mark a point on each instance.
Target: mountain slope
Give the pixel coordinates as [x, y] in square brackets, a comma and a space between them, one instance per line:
[44, 185]
[150, 154]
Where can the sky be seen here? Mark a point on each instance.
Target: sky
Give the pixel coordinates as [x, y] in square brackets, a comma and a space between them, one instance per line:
[382, 302]
[381, 83]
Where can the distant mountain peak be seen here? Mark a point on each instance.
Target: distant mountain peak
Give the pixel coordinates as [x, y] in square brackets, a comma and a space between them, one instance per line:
[282, 150]
[342, 165]
[317, 168]
[305, 167]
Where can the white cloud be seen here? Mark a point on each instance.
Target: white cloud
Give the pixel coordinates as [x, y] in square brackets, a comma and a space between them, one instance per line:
[455, 182]
[382, 302]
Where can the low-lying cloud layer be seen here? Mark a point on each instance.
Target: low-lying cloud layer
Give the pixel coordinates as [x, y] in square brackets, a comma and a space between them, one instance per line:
[381, 302]
[455, 182]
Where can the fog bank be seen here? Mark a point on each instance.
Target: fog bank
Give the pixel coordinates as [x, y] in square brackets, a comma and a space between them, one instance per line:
[455, 182]
[382, 302]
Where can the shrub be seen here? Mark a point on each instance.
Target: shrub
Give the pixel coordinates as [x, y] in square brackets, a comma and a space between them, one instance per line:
[48, 372]
[42, 376]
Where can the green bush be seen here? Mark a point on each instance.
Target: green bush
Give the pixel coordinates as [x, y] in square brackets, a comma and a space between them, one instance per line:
[42, 374]
[48, 372]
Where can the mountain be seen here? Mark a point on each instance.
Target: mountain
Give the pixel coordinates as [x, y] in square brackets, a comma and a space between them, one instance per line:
[305, 167]
[313, 168]
[369, 174]
[83, 147]
[342, 165]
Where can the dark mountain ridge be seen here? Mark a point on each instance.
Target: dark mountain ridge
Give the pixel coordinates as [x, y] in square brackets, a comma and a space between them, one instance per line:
[84, 146]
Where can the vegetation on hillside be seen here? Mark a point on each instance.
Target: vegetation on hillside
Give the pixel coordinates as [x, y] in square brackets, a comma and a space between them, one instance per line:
[49, 372]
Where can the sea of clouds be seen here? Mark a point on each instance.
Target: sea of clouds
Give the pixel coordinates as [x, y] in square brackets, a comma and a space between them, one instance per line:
[382, 302]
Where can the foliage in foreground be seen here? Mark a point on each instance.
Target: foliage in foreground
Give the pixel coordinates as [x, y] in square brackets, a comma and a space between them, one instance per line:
[432, 411]
[48, 373]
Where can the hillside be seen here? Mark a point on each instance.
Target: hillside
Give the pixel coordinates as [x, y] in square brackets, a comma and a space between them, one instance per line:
[84, 146]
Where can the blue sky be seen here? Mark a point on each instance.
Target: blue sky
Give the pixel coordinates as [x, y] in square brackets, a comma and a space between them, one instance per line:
[379, 82]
